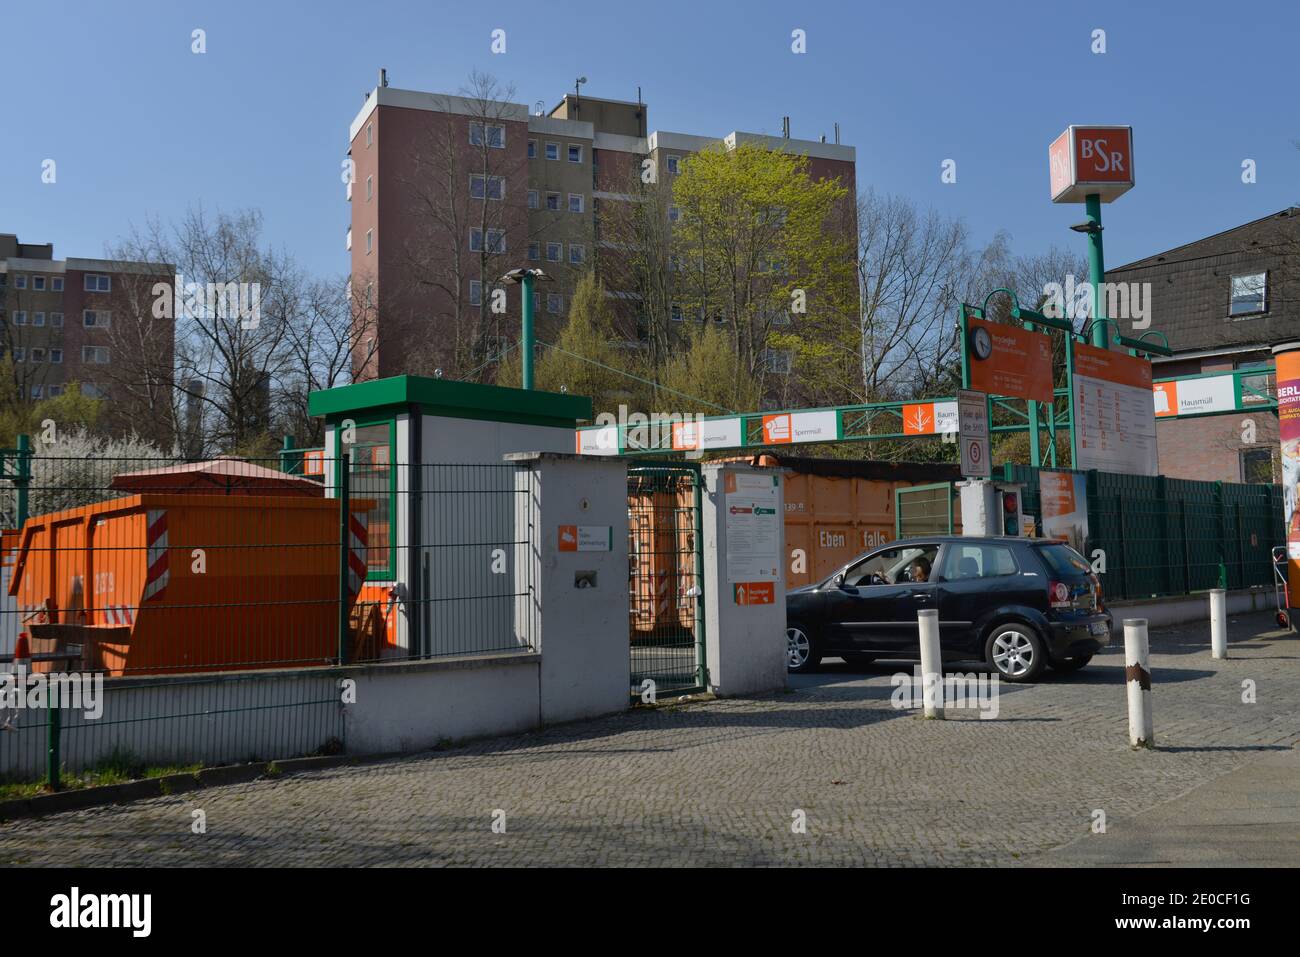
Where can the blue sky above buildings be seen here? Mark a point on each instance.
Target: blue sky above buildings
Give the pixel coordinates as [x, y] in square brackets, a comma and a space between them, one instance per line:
[139, 126]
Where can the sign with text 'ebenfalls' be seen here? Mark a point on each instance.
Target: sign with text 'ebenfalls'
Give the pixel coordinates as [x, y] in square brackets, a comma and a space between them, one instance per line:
[973, 434]
[1091, 159]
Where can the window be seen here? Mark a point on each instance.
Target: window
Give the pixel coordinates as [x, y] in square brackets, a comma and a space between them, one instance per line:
[496, 186]
[577, 254]
[533, 201]
[493, 136]
[475, 292]
[575, 154]
[56, 320]
[38, 318]
[554, 252]
[20, 281]
[1257, 466]
[777, 360]
[38, 283]
[534, 252]
[97, 283]
[20, 317]
[553, 201]
[1257, 388]
[552, 151]
[370, 134]
[537, 301]
[373, 478]
[55, 391]
[575, 202]
[674, 164]
[674, 263]
[370, 188]
[96, 319]
[963, 562]
[95, 354]
[56, 356]
[532, 149]
[370, 241]
[496, 240]
[893, 567]
[37, 391]
[1248, 295]
[676, 313]
[20, 354]
[93, 391]
[38, 355]
[554, 302]
[56, 284]
[674, 213]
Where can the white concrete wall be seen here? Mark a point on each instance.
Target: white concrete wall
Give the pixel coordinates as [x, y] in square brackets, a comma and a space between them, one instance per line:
[582, 631]
[1181, 610]
[745, 644]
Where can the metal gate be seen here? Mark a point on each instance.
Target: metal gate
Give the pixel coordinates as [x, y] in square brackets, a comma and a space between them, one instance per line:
[923, 510]
[665, 579]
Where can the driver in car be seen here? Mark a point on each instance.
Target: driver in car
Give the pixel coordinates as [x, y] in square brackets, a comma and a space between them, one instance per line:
[920, 570]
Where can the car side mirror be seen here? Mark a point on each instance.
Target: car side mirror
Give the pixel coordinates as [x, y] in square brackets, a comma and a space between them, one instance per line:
[839, 581]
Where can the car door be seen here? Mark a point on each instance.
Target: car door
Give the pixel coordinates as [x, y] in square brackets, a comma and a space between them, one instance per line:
[975, 578]
[871, 610]
[901, 636]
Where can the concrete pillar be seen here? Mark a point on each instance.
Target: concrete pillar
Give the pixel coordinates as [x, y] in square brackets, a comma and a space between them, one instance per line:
[571, 574]
[744, 578]
[1218, 623]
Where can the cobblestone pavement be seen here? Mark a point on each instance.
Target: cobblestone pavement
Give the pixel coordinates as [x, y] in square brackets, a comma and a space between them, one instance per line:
[717, 783]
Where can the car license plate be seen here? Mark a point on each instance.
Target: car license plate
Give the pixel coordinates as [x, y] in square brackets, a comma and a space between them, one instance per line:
[1097, 628]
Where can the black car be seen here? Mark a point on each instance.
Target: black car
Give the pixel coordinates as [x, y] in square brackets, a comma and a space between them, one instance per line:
[1018, 604]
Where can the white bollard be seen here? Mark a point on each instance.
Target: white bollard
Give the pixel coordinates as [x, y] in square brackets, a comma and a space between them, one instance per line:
[1218, 623]
[927, 620]
[1137, 674]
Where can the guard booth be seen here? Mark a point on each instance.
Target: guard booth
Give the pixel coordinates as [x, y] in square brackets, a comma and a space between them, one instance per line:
[442, 559]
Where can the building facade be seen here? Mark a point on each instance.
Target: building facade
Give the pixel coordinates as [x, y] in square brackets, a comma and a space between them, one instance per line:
[1223, 301]
[447, 193]
[89, 321]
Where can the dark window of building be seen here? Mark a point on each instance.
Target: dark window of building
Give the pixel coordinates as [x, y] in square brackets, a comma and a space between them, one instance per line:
[1257, 466]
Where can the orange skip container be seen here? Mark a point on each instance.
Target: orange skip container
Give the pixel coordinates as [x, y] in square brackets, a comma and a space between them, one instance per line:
[165, 583]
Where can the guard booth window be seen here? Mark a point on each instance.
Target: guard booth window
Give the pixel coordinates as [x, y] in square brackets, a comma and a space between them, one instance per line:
[373, 480]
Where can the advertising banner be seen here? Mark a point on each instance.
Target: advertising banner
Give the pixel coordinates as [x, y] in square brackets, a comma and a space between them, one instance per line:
[1114, 415]
[1064, 497]
[1288, 427]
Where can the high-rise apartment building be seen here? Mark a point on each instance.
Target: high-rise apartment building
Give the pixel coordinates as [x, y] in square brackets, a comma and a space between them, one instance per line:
[449, 192]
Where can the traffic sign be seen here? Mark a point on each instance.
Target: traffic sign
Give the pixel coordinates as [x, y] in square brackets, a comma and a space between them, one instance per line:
[973, 426]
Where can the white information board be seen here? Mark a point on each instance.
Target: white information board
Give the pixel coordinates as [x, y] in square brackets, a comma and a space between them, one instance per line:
[753, 527]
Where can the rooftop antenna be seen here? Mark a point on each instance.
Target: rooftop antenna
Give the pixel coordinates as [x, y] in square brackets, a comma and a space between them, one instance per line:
[577, 92]
[383, 77]
[640, 110]
[540, 105]
[785, 127]
[837, 134]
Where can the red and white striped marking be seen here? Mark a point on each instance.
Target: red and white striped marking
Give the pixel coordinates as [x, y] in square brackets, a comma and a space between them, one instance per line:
[358, 537]
[119, 615]
[156, 581]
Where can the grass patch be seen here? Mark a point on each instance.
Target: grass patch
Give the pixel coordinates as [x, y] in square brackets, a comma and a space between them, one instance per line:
[118, 768]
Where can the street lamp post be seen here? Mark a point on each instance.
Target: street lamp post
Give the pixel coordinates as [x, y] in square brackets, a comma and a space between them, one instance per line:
[1096, 267]
[525, 277]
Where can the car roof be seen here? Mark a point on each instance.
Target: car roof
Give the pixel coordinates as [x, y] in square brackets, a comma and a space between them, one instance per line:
[971, 539]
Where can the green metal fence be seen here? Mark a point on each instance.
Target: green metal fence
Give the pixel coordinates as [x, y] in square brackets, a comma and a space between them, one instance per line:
[1165, 536]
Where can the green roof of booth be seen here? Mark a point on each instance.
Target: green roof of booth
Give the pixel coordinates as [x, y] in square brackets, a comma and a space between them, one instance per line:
[461, 400]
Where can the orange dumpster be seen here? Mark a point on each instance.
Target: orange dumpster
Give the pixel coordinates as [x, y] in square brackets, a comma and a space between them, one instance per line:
[165, 583]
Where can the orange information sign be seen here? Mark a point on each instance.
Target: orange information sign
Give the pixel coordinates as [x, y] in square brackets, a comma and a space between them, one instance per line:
[755, 593]
[1007, 360]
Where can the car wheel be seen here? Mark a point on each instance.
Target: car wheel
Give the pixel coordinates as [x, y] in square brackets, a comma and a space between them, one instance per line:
[1015, 651]
[802, 652]
[857, 661]
[1071, 664]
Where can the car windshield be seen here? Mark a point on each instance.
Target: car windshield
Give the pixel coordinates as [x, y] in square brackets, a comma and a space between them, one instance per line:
[1064, 560]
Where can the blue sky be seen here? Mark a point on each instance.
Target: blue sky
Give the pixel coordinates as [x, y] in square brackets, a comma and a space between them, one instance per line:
[140, 126]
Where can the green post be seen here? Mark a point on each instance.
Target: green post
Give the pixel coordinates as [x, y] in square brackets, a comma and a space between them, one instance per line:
[1096, 270]
[1031, 408]
[345, 547]
[286, 455]
[53, 755]
[23, 478]
[526, 339]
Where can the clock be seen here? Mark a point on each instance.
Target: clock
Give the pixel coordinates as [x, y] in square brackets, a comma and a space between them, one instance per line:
[981, 343]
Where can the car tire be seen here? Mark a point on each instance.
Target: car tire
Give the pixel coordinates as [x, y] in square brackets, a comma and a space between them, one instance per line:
[803, 650]
[1014, 650]
[857, 661]
[1066, 665]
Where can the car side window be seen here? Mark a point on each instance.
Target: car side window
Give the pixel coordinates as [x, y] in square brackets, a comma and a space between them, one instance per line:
[963, 562]
[893, 566]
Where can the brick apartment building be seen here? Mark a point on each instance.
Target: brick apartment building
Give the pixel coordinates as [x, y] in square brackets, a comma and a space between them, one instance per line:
[438, 178]
[1223, 301]
[88, 321]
